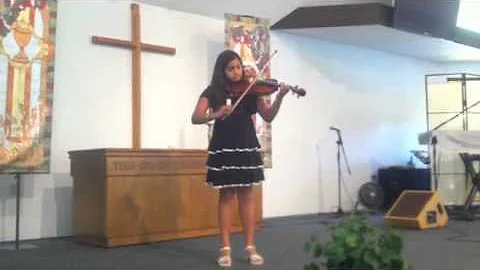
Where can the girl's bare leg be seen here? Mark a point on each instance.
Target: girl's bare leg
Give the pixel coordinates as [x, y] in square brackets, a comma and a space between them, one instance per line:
[246, 201]
[226, 200]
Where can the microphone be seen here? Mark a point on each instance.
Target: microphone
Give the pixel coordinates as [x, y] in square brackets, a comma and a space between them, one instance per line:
[334, 128]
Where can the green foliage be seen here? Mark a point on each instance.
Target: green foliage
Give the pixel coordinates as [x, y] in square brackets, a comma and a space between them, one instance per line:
[356, 244]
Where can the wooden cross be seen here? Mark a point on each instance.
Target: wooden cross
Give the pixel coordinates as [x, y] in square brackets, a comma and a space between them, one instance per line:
[137, 47]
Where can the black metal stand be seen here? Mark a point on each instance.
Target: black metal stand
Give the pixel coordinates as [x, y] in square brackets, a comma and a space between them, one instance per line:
[17, 215]
[340, 149]
[468, 160]
[434, 162]
[16, 246]
[339, 177]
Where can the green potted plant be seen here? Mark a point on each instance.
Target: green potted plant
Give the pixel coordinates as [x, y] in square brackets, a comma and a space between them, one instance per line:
[356, 244]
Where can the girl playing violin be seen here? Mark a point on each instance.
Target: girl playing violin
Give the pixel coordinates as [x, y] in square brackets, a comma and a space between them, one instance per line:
[234, 162]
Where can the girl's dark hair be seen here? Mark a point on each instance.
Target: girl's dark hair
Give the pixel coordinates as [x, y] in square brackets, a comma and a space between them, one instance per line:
[219, 79]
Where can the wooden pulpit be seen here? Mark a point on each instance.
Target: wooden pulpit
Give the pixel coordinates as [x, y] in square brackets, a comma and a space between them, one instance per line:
[130, 196]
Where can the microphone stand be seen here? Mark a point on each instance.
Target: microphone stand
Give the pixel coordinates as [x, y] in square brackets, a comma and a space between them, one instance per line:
[341, 148]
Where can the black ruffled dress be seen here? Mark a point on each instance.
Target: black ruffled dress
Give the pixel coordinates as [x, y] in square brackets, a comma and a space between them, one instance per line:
[234, 151]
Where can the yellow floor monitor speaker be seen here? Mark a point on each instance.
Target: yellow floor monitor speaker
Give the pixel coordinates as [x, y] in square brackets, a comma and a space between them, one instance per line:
[417, 209]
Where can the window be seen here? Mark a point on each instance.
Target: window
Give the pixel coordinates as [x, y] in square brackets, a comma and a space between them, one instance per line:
[453, 101]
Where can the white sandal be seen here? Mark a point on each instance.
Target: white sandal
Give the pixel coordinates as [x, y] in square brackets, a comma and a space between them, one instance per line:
[252, 256]
[225, 260]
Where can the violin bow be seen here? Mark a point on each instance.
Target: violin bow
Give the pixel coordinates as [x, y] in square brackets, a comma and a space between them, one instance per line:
[254, 80]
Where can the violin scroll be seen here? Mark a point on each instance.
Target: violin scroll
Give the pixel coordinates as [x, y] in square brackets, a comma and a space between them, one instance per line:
[299, 92]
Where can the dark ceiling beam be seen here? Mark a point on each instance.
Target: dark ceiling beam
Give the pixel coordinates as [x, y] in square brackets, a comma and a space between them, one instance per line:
[338, 15]
[467, 37]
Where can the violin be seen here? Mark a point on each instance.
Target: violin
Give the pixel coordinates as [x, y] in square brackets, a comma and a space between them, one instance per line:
[262, 88]
[259, 87]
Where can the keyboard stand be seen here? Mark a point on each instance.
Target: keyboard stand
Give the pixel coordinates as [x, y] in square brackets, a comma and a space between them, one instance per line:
[468, 160]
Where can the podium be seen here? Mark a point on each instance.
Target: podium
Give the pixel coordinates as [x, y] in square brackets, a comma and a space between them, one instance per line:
[127, 196]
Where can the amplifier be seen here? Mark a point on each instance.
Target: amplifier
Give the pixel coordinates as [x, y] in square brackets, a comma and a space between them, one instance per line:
[394, 180]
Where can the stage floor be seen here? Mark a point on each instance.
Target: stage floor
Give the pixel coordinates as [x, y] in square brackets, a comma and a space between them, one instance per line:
[281, 240]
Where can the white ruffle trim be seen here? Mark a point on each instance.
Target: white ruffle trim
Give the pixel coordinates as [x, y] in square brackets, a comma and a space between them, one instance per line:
[224, 168]
[235, 185]
[230, 150]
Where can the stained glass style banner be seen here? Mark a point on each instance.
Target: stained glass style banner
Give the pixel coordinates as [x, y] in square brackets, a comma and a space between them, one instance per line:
[250, 38]
[27, 40]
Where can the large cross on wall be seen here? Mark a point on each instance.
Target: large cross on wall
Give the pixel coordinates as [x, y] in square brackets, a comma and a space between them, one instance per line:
[136, 45]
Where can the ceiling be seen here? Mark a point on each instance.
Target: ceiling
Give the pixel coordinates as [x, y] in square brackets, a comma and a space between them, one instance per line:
[388, 39]
[266, 9]
[374, 36]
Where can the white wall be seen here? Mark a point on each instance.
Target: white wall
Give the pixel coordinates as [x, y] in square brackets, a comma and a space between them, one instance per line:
[376, 98]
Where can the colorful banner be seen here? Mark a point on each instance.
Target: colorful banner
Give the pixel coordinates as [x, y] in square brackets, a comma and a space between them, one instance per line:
[27, 39]
[250, 38]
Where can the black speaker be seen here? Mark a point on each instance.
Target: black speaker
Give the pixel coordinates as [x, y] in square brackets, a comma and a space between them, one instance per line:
[394, 180]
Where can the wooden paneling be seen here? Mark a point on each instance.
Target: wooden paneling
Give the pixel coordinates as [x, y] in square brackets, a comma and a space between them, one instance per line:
[126, 196]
